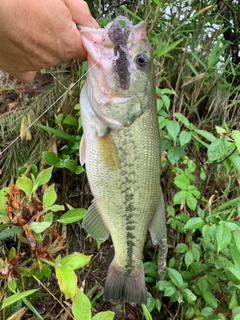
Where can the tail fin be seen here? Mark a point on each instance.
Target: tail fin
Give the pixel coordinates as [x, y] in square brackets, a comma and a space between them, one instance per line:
[122, 286]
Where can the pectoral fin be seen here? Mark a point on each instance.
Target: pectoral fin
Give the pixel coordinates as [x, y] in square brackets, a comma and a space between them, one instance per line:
[82, 150]
[157, 227]
[94, 224]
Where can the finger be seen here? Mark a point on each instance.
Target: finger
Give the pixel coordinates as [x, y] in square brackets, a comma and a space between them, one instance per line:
[26, 77]
[80, 13]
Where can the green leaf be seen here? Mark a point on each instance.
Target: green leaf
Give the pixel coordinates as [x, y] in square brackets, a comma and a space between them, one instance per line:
[25, 184]
[43, 177]
[207, 135]
[70, 165]
[191, 202]
[233, 301]
[146, 312]
[176, 277]
[72, 215]
[194, 223]
[180, 196]
[181, 248]
[235, 158]
[217, 149]
[75, 260]
[220, 130]
[173, 128]
[39, 227]
[66, 119]
[15, 297]
[57, 132]
[182, 182]
[166, 100]
[182, 119]
[9, 233]
[189, 295]
[49, 197]
[223, 236]
[188, 258]
[210, 299]
[236, 137]
[233, 246]
[67, 280]
[184, 137]
[3, 200]
[106, 315]
[50, 157]
[81, 306]
[170, 291]
[174, 153]
[56, 207]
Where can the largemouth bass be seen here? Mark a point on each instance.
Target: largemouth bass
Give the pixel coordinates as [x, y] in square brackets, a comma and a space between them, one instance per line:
[121, 151]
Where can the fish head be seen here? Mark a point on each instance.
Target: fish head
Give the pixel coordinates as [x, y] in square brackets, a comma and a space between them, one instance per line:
[120, 79]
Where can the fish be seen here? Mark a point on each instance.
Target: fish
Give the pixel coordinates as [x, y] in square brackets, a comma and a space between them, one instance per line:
[120, 148]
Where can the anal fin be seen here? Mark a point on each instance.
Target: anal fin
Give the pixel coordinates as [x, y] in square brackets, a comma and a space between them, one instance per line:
[157, 226]
[94, 224]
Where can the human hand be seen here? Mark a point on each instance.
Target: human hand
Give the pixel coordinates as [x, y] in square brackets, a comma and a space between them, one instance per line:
[41, 34]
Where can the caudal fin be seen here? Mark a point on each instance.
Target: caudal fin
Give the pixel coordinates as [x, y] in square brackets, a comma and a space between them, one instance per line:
[126, 286]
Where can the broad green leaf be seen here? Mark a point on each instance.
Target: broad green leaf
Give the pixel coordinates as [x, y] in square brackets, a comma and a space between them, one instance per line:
[180, 196]
[188, 258]
[43, 177]
[25, 184]
[173, 128]
[15, 297]
[189, 312]
[223, 236]
[194, 223]
[50, 157]
[235, 158]
[170, 291]
[81, 306]
[220, 130]
[3, 201]
[207, 312]
[217, 149]
[182, 119]
[210, 299]
[166, 100]
[181, 248]
[48, 217]
[49, 196]
[75, 260]
[39, 227]
[70, 165]
[184, 137]
[72, 215]
[176, 277]
[174, 153]
[233, 301]
[191, 202]
[9, 233]
[106, 315]
[56, 207]
[207, 135]
[182, 182]
[235, 253]
[67, 280]
[190, 296]
[66, 119]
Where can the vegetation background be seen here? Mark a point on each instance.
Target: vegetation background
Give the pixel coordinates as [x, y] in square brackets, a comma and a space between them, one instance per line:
[195, 48]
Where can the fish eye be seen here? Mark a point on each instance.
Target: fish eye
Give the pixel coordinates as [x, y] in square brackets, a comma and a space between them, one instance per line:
[142, 60]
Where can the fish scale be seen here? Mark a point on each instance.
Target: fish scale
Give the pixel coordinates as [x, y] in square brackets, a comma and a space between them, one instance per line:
[122, 162]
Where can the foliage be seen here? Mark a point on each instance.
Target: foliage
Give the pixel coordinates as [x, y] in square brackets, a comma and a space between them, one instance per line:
[195, 48]
[22, 213]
